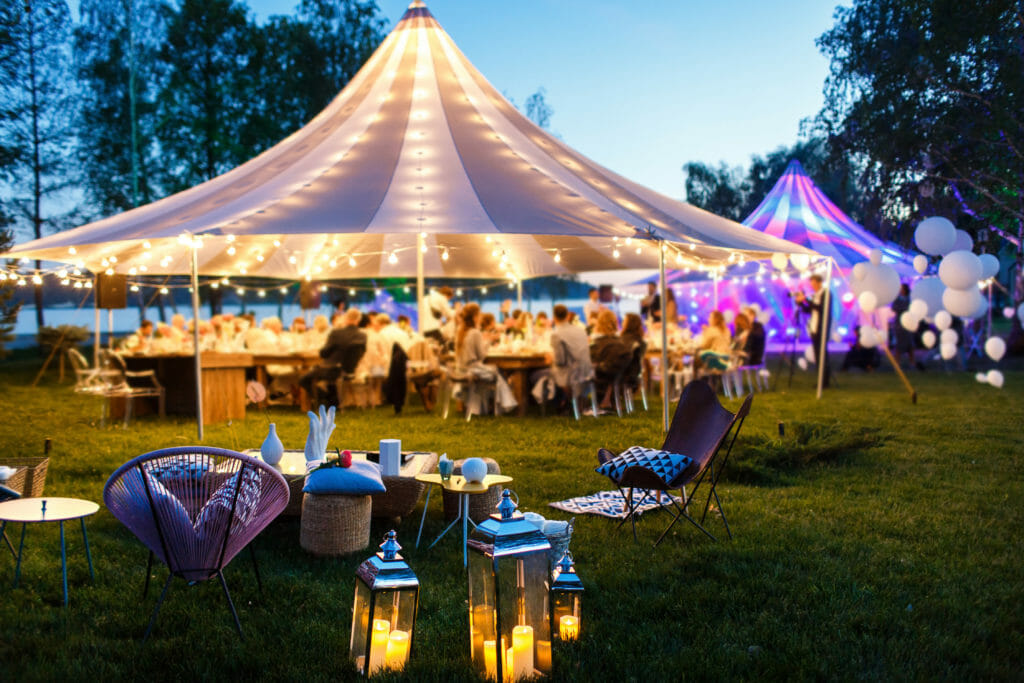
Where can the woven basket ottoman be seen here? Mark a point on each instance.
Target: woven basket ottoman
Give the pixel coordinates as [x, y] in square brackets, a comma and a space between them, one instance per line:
[335, 524]
[482, 505]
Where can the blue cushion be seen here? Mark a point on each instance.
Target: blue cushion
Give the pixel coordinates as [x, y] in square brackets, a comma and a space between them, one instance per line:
[362, 478]
[666, 466]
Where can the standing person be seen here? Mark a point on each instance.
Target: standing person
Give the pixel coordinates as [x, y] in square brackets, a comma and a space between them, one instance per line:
[903, 339]
[754, 345]
[650, 305]
[821, 319]
[591, 308]
[438, 313]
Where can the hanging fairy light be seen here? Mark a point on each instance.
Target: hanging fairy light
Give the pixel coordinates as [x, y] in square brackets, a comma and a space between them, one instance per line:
[444, 255]
[351, 262]
[393, 258]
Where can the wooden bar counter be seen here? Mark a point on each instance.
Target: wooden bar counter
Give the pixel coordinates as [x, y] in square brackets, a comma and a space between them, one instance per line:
[223, 376]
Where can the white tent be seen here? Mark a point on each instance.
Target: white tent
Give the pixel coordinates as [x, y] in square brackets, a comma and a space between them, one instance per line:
[419, 166]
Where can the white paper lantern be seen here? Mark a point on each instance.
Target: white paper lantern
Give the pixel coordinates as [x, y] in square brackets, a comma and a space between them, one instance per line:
[869, 337]
[1020, 311]
[729, 315]
[995, 378]
[949, 336]
[995, 347]
[963, 241]
[909, 321]
[928, 339]
[935, 236]
[921, 263]
[801, 363]
[860, 270]
[800, 261]
[948, 351]
[919, 307]
[966, 303]
[875, 256]
[981, 377]
[929, 290]
[764, 317]
[882, 279]
[943, 320]
[474, 470]
[1008, 312]
[960, 270]
[867, 301]
[989, 266]
[809, 353]
[780, 261]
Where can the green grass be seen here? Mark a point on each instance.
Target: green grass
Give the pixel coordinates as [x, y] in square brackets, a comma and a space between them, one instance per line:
[878, 539]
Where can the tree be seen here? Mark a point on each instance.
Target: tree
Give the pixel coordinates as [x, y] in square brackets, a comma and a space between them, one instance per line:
[538, 110]
[203, 102]
[347, 32]
[35, 125]
[720, 190]
[116, 47]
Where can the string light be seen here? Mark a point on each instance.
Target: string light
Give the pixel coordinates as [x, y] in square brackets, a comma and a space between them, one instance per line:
[444, 255]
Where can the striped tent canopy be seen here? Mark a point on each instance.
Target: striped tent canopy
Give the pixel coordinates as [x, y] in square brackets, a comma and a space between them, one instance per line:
[418, 157]
[798, 211]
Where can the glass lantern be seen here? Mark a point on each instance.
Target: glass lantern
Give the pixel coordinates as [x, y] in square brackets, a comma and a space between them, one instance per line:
[566, 594]
[509, 623]
[384, 612]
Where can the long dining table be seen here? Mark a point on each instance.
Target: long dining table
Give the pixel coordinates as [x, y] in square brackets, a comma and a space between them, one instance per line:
[518, 366]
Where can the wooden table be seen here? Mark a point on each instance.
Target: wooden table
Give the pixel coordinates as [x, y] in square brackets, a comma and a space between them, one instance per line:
[42, 510]
[518, 366]
[223, 378]
[296, 359]
[457, 484]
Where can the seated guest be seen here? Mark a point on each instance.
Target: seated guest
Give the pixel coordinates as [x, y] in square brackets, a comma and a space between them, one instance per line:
[632, 336]
[753, 347]
[489, 329]
[377, 359]
[405, 325]
[542, 330]
[178, 326]
[298, 325]
[470, 354]
[341, 353]
[165, 341]
[570, 356]
[316, 336]
[714, 345]
[139, 341]
[608, 354]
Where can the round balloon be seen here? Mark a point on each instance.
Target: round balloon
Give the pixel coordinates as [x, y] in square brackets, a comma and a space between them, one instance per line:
[963, 241]
[764, 317]
[884, 281]
[948, 351]
[780, 261]
[928, 339]
[909, 321]
[935, 236]
[867, 301]
[800, 261]
[943, 320]
[981, 377]
[729, 315]
[921, 263]
[966, 303]
[960, 270]
[929, 290]
[919, 307]
[1008, 312]
[802, 362]
[868, 337]
[1020, 311]
[989, 266]
[875, 256]
[860, 270]
[995, 347]
[949, 336]
[809, 353]
[474, 470]
[995, 378]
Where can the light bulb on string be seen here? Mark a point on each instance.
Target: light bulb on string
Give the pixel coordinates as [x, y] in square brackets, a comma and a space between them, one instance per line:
[284, 290]
[558, 257]
[351, 262]
[231, 251]
[483, 290]
[240, 291]
[393, 258]
[214, 285]
[615, 253]
[72, 251]
[444, 255]
[351, 292]
[262, 293]
[164, 290]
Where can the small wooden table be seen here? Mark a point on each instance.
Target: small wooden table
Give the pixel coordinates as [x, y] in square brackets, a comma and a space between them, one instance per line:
[457, 484]
[518, 366]
[41, 510]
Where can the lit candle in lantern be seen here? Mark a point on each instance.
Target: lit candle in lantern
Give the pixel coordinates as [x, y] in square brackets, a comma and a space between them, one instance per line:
[522, 652]
[397, 649]
[490, 660]
[568, 627]
[544, 655]
[379, 644]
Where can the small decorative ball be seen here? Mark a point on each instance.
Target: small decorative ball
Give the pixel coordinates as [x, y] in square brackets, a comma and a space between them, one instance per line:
[474, 470]
[346, 459]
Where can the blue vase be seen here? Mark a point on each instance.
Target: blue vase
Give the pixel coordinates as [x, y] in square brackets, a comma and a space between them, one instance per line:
[272, 449]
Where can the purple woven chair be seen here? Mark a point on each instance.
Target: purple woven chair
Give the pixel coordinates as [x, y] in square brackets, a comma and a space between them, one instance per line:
[195, 508]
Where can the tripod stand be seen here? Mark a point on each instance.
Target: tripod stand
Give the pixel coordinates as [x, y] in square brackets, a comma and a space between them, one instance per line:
[788, 356]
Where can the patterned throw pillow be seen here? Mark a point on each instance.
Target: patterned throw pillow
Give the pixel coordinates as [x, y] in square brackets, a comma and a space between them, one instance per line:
[666, 466]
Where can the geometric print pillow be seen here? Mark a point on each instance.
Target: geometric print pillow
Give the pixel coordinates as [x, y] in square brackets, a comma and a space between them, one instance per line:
[666, 466]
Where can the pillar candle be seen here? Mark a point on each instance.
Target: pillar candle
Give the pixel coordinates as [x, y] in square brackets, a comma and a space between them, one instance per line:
[522, 652]
[397, 649]
[568, 627]
[379, 644]
[544, 656]
[490, 660]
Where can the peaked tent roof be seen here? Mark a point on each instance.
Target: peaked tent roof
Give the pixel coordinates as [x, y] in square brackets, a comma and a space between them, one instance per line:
[417, 142]
[798, 211]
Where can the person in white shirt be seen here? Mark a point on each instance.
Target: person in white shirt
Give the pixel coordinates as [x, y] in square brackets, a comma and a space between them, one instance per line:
[438, 312]
[592, 308]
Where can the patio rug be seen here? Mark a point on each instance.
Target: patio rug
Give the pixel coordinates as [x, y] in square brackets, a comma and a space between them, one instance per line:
[611, 503]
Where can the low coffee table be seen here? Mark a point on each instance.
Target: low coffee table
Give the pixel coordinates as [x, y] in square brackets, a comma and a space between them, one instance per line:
[457, 484]
[41, 510]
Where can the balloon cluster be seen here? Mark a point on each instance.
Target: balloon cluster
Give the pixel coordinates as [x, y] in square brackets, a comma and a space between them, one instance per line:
[875, 284]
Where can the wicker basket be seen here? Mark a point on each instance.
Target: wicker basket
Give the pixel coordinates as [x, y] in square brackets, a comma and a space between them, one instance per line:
[481, 505]
[16, 482]
[34, 473]
[403, 493]
[334, 524]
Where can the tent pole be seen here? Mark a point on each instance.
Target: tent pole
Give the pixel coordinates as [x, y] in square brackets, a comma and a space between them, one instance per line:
[519, 294]
[715, 279]
[664, 338]
[96, 344]
[110, 328]
[824, 317]
[195, 341]
[421, 241]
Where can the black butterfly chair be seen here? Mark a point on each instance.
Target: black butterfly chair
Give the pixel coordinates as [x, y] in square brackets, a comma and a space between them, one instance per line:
[700, 429]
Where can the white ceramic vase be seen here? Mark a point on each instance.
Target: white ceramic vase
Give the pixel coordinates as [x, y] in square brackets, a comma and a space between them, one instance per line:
[272, 449]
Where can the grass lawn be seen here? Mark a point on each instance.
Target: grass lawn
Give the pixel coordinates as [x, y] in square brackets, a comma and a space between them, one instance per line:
[878, 539]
